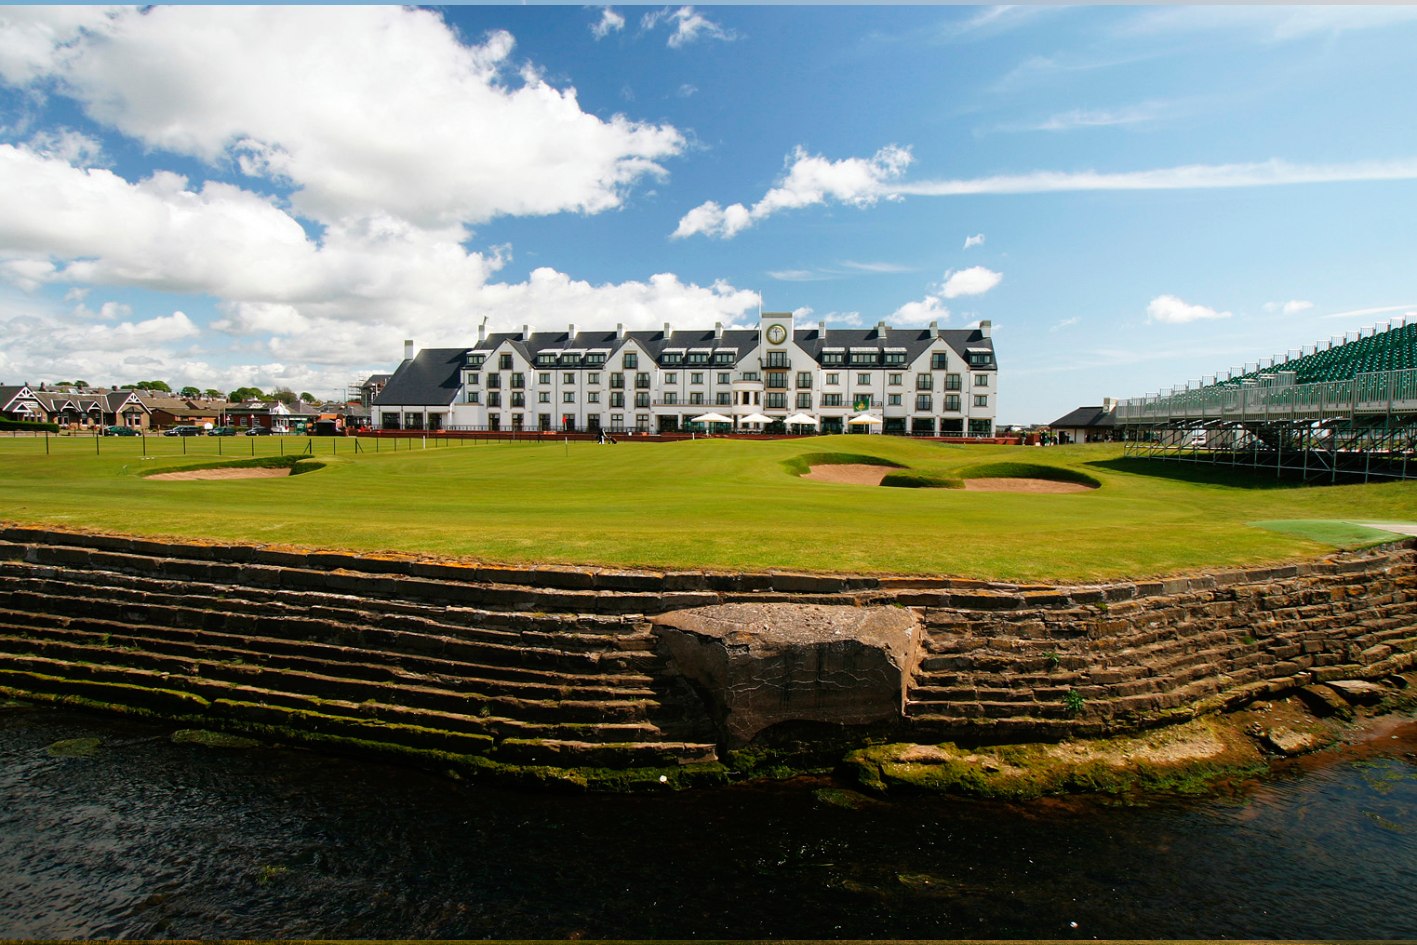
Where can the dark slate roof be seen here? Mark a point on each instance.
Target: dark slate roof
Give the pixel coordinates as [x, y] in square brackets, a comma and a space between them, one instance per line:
[430, 379]
[915, 341]
[1086, 417]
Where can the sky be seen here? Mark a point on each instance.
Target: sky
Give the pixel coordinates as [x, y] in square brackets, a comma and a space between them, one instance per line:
[278, 196]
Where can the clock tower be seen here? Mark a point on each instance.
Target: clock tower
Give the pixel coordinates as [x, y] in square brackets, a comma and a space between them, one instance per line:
[776, 329]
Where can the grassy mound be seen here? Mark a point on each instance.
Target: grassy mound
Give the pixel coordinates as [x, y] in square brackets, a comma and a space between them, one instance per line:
[801, 465]
[915, 480]
[1029, 471]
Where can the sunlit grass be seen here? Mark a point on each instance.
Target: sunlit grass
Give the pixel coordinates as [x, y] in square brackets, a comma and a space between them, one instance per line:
[707, 504]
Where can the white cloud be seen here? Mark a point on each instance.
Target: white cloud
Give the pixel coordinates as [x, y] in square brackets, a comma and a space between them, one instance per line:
[1380, 310]
[1097, 118]
[1189, 177]
[1292, 307]
[1274, 23]
[809, 180]
[1170, 310]
[928, 309]
[976, 240]
[362, 110]
[609, 22]
[976, 280]
[1064, 323]
[688, 26]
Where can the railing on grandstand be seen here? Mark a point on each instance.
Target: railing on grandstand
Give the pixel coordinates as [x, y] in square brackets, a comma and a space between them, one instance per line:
[1266, 399]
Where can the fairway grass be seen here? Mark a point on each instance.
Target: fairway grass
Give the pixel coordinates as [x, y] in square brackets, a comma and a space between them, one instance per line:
[715, 504]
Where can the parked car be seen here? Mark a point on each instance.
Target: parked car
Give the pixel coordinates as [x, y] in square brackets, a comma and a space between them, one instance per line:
[119, 431]
[222, 431]
[183, 430]
[259, 431]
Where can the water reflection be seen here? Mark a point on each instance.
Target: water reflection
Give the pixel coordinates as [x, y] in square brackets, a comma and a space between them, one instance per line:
[143, 838]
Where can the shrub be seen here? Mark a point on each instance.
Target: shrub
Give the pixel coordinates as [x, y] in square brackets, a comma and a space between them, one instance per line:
[31, 425]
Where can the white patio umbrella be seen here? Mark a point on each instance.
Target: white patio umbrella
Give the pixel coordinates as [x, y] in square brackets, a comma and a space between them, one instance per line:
[755, 418]
[710, 418]
[801, 419]
[864, 418]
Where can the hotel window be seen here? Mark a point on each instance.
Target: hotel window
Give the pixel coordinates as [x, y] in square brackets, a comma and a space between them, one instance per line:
[893, 400]
[833, 357]
[545, 360]
[568, 378]
[671, 377]
[777, 401]
[777, 379]
[642, 400]
[724, 377]
[777, 359]
[979, 358]
[722, 398]
[833, 378]
[593, 397]
[594, 360]
[544, 377]
[518, 399]
[981, 380]
[544, 397]
[696, 378]
[952, 402]
[864, 380]
[696, 398]
[804, 401]
[569, 397]
[924, 382]
[863, 357]
[504, 362]
[473, 397]
[939, 361]
[472, 380]
[518, 380]
[894, 380]
[804, 379]
[922, 401]
[494, 380]
[981, 400]
[698, 357]
[672, 357]
[617, 399]
[831, 400]
[617, 380]
[632, 360]
[494, 399]
[570, 360]
[951, 382]
[642, 379]
[670, 397]
[617, 420]
[475, 360]
[723, 357]
[895, 357]
[592, 379]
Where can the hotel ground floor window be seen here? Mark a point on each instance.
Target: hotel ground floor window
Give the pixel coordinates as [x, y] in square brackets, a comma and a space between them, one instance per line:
[922, 426]
[494, 422]
[568, 423]
[617, 423]
[831, 425]
[413, 421]
[389, 421]
[517, 422]
[894, 425]
[592, 423]
[668, 423]
[951, 427]
[981, 427]
[642, 422]
[543, 421]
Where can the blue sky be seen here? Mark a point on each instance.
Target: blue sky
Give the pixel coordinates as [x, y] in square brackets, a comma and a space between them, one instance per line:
[1135, 197]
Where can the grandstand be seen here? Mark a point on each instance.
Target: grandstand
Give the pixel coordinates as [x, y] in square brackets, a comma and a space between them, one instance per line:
[1342, 411]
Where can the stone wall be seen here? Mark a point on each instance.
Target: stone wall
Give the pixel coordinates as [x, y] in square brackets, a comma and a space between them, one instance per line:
[575, 668]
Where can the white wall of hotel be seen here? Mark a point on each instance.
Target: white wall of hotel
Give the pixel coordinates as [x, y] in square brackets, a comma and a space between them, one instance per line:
[936, 391]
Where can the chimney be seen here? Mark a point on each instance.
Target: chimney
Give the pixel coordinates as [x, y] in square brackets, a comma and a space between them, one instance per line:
[482, 330]
[984, 327]
[619, 330]
[526, 332]
[408, 349]
[666, 330]
[934, 328]
[824, 330]
[571, 331]
[881, 328]
[718, 331]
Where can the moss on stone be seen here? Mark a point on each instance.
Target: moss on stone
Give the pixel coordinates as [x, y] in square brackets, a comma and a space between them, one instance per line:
[74, 747]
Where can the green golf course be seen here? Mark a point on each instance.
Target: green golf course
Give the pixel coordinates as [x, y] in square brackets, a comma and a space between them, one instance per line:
[713, 504]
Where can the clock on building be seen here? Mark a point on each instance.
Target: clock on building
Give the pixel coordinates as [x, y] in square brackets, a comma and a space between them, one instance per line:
[777, 334]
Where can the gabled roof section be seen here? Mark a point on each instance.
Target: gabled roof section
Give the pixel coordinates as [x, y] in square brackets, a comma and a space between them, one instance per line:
[9, 395]
[430, 379]
[913, 341]
[1086, 417]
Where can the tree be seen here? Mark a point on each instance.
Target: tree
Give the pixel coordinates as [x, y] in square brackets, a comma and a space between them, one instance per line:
[190, 391]
[160, 386]
[213, 393]
[307, 397]
[285, 395]
[246, 393]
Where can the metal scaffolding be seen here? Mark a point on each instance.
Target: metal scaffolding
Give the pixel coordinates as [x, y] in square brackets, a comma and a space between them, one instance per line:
[1362, 428]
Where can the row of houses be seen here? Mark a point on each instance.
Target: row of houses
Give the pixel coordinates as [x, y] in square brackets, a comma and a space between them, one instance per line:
[919, 381]
[141, 410]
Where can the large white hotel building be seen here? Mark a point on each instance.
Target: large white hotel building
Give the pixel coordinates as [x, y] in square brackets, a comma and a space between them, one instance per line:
[920, 381]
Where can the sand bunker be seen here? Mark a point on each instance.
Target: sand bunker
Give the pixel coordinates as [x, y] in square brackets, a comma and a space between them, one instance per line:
[852, 474]
[1024, 485]
[227, 472]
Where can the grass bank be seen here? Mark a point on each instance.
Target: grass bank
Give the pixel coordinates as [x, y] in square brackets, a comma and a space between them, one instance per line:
[713, 504]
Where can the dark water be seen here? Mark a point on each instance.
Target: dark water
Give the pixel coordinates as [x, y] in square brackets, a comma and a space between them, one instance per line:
[145, 838]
